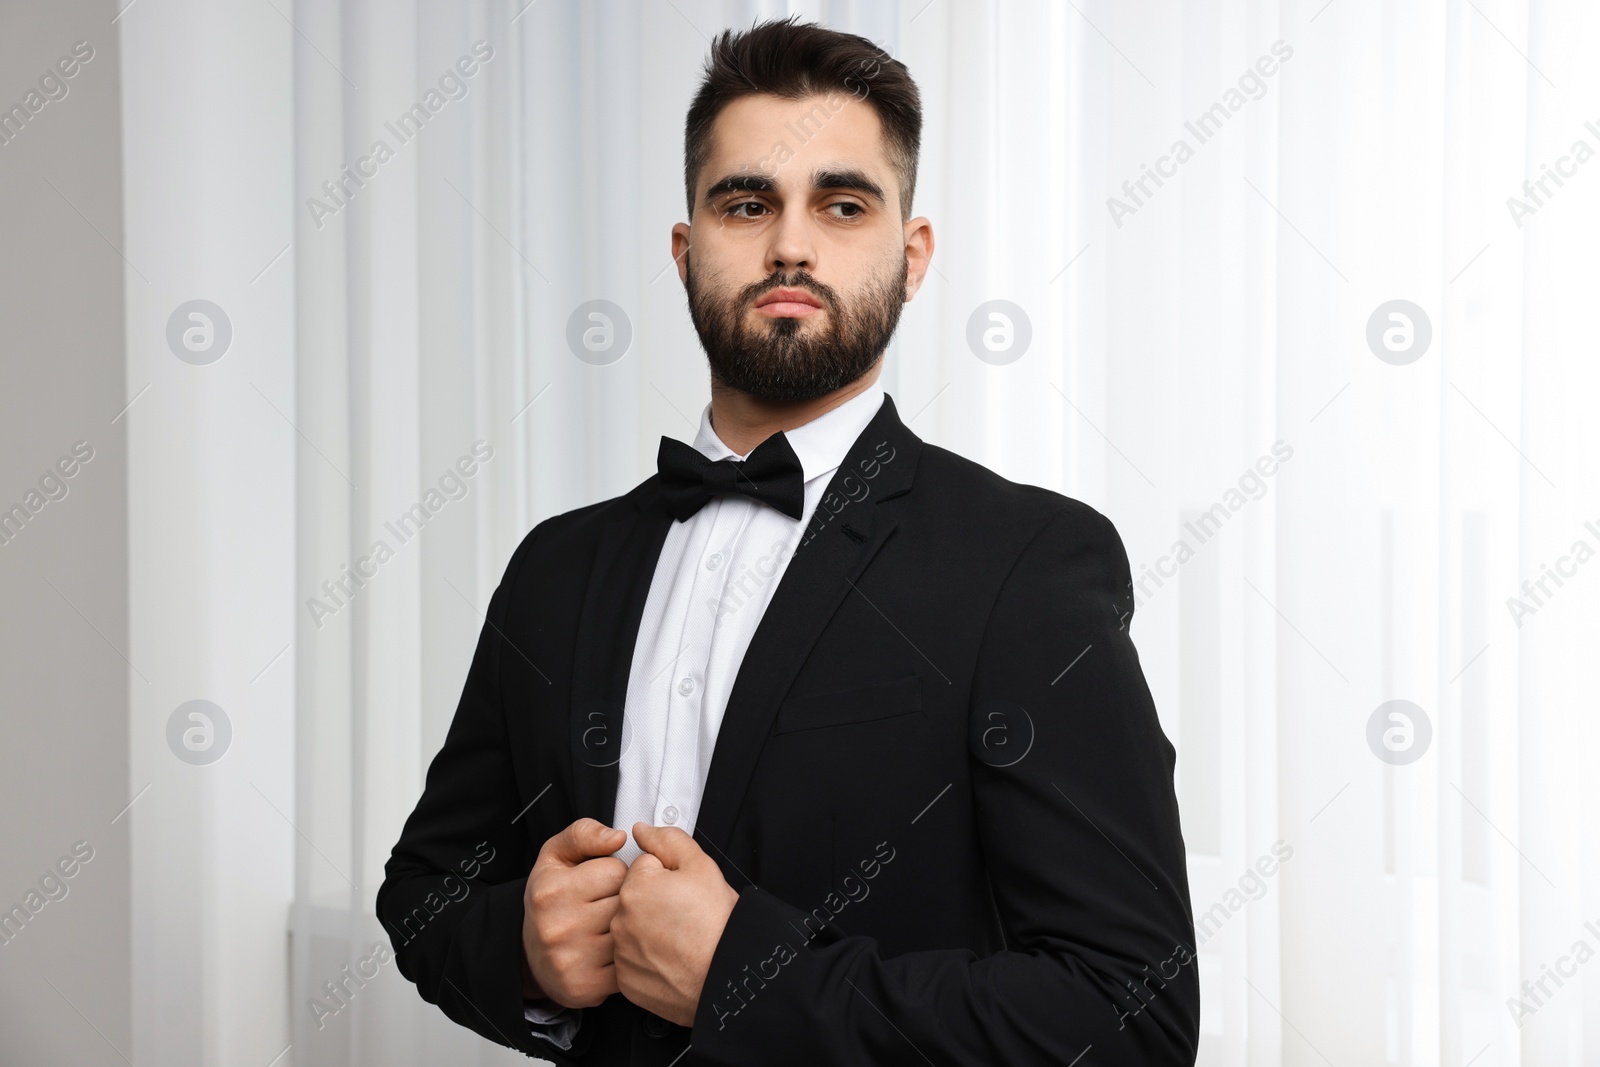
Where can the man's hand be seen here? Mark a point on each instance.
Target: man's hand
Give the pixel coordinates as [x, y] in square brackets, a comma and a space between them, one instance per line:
[674, 904]
[567, 910]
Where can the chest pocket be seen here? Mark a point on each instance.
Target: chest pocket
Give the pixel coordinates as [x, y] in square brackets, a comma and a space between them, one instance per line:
[867, 703]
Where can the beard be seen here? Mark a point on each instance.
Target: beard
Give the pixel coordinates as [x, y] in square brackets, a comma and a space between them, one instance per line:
[790, 360]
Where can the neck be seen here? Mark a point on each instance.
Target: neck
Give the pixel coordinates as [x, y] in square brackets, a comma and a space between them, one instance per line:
[743, 422]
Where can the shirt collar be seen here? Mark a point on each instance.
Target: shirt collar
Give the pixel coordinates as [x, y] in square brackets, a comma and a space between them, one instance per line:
[820, 444]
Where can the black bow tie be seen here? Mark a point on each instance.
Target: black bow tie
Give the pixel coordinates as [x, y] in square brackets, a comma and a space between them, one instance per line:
[772, 474]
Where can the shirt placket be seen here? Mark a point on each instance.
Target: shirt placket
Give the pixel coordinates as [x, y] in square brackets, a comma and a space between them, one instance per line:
[676, 803]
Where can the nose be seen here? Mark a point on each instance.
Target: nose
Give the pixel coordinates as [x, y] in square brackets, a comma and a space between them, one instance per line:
[793, 246]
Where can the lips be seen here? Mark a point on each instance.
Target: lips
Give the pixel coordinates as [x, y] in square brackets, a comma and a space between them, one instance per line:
[788, 303]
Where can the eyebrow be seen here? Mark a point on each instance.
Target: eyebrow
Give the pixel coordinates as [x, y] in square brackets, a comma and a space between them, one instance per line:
[756, 182]
[739, 183]
[854, 180]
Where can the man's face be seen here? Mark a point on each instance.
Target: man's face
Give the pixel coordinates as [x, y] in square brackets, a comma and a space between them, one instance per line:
[796, 265]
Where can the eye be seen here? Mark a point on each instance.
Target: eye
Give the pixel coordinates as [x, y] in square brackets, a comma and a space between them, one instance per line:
[733, 209]
[857, 211]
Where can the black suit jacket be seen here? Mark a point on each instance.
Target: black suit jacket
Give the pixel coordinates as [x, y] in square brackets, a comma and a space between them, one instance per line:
[940, 786]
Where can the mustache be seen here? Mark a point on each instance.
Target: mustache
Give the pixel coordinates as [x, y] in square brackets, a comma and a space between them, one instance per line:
[803, 281]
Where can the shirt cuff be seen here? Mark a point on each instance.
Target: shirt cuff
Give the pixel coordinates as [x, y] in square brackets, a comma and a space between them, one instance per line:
[552, 1022]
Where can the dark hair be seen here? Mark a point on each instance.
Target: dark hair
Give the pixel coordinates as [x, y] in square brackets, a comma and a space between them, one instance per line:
[795, 60]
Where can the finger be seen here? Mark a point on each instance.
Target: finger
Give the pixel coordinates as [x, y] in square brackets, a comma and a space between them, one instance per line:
[608, 978]
[592, 928]
[595, 879]
[584, 839]
[588, 925]
[598, 975]
[669, 844]
[644, 863]
[602, 912]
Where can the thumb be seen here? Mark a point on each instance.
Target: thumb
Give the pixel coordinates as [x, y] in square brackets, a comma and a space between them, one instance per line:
[582, 840]
[669, 844]
[642, 863]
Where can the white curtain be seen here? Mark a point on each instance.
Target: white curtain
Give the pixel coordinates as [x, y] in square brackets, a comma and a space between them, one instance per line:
[1208, 328]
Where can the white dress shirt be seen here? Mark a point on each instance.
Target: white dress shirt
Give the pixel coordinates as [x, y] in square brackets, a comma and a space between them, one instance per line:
[713, 581]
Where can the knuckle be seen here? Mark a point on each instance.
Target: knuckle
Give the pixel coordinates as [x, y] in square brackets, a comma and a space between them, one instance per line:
[557, 931]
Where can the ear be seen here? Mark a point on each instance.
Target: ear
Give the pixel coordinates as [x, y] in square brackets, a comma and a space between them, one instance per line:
[681, 234]
[919, 253]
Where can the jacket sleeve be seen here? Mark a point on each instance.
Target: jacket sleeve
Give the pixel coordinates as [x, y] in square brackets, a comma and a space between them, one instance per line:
[452, 894]
[1078, 828]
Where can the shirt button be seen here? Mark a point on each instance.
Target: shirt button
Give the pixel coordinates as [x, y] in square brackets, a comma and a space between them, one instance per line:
[669, 814]
[656, 1026]
[686, 686]
[713, 561]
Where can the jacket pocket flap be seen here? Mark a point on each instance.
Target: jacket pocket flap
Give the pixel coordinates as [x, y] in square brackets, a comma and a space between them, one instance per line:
[866, 703]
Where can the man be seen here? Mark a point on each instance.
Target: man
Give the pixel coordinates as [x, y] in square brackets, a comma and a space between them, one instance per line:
[822, 745]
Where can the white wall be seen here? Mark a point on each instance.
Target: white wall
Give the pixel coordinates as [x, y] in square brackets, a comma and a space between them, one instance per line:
[64, 678]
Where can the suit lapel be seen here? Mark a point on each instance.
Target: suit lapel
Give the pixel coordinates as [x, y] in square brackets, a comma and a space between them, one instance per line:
[855, 518]
[625, 563]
